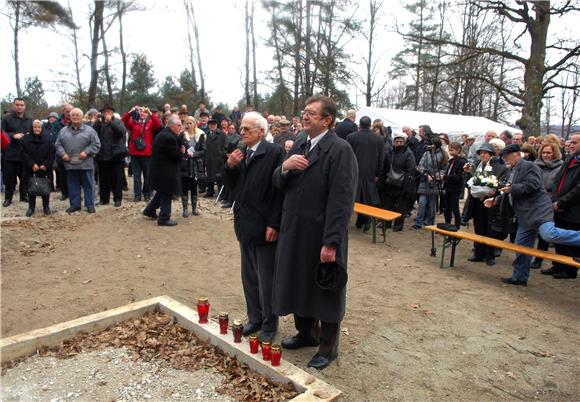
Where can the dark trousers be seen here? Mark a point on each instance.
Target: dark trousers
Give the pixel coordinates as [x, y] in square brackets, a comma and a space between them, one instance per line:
[257, 277]
[188, 186]
[481, 226]
[163, 202]
[566, 250]
[396, 200]
[27, 174]
[210, 185]
[452, 207]
[61, 179]
[140, 167]
[327, 333]
[111, 180]
[12, 174]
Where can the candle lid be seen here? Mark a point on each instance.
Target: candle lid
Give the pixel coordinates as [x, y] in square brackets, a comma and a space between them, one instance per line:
[203, 300]
[266, 343]
[223, 315]
[275, 348]
[253, 337]
[237, 322]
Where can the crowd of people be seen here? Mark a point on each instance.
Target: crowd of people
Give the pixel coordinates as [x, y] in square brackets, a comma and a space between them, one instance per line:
[291, 185]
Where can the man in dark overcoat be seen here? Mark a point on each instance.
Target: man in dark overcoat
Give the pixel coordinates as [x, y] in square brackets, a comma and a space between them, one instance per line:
[347, 126]
[319, 181]
[533, 208]
[215, 156]
[257, 211]
[165, 174]
[368, 149]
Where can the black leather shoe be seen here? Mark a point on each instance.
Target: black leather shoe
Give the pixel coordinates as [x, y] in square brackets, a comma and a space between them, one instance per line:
[150, 215]
[295, 342]
[117, 204]
[71, 210]
[6, 203]
[91, 210]
[251, 328]
[512, 281]
[490, 262]
[474, 259]
[137, 198]
[549, 271]
[194, 212]
[208, 195]
[227, 205]
[167, 223]
[266, 336]
[29, 212]
[102, 203]
[565, 275]
[320, 362]
[46, 211]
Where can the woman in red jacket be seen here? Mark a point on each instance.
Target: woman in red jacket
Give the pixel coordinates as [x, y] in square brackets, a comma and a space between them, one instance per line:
[142, 126]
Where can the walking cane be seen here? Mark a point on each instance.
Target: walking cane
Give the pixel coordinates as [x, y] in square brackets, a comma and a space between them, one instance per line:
[219, 193]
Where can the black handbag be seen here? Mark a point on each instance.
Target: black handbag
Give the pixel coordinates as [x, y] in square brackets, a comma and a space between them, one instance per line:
[39, 186]
[395, 178]
[139, 143]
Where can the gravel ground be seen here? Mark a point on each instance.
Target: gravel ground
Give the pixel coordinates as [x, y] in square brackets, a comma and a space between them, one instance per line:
[106, 375]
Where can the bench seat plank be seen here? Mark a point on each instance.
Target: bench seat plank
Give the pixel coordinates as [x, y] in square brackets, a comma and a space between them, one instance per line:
[374, 212]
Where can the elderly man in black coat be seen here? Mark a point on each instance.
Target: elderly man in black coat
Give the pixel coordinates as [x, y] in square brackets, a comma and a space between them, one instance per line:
[534, 211]
[165, 175]
[319, 181]
[257, 210]
[111, 156]
[347, 126]
[368, 149]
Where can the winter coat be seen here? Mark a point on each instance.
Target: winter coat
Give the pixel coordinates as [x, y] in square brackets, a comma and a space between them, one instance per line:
[454, 177]
[147, 130]
[215, 154]
[550, 170]
[164, 172]
[12, 124]
[400, 160]
[281, 138]
[345, 127]
[113, 139]
[189, 162]
[431, 167]
[368, 150]
[258, 204]
[72, 142]
[567, 191]
[317, 208]
[530, 201]
[37, 150]
[232, 141]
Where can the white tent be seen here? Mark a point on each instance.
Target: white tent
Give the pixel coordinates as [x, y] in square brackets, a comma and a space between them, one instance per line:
[452, 124]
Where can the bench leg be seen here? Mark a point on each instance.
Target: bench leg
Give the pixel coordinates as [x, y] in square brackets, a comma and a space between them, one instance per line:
[453, 246]
[433, 249]
[374, 229]
[384, 231]
[443, 247]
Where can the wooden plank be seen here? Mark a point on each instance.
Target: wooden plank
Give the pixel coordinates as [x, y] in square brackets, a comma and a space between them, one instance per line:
[379, 213]
[563, 259]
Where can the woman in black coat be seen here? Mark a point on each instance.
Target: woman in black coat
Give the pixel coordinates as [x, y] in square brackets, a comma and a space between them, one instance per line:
[454, 183]
[191, 153]
[395, 197]
[37, 152]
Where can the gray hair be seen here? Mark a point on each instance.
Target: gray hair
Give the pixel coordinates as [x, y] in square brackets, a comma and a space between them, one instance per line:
[174, 120]
[259, 119]
[37, 122]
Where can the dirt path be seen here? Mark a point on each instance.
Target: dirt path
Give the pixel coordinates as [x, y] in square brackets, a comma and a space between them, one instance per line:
[412, 331]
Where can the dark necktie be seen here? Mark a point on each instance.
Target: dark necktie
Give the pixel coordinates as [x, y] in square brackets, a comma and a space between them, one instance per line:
[307, 148]
[249, 156]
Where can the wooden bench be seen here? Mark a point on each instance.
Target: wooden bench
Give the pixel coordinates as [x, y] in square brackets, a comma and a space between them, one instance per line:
[376, 214]
[449, 240]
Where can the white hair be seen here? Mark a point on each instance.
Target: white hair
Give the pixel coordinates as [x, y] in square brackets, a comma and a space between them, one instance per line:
[259, 119]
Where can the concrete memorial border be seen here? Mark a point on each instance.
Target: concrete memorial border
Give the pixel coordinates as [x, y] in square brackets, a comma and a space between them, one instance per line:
[23, 345]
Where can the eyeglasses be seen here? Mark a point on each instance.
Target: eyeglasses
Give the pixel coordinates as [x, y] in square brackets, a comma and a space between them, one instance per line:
[309, 113]
[242, 128]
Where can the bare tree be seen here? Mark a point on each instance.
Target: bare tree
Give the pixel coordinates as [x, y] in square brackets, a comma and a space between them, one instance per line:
[255, 81]
[96, 23]
[190, 47]
[124, 7]
[247, 64]
[371, 89]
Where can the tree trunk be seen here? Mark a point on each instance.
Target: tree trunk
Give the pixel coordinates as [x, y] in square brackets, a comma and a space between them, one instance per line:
[369, 87]
[308, 50]
[329, 48]
[247, 66]
[281, 83]
[16, 31]
[199, 66]
[255, 81]
[188, 7]
[419, 56]
[97, 22]
[120, 12]
[297, 47]
[106, 67]
[77, 62]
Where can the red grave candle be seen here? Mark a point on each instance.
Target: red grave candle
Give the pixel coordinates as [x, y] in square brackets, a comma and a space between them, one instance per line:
[254, 344]
[266, 351]
[276, 355]
[202, 309]
[237, 330]
[224, 320]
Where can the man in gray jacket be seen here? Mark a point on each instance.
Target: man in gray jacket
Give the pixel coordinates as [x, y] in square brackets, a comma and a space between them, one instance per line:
[533, 208]
[77, 144]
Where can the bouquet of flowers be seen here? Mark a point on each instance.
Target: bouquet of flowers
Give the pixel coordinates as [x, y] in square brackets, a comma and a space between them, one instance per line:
[483, 183]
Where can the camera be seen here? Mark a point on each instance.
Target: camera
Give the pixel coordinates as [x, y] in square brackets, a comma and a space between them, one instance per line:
[135, 114]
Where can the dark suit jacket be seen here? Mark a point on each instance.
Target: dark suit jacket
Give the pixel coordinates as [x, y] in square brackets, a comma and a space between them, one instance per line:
[345, 127]
[368, 149]
[164, 173]
[454, 178]
[258, 203]
[318, 204]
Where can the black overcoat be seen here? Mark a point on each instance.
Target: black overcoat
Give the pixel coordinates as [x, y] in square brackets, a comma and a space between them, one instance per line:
[215, 154]
[258, 203]
[164, 172]
[345, 127]
[368, 149]
[37, 149]
[11, 125]
[113, 139]
[317, 208]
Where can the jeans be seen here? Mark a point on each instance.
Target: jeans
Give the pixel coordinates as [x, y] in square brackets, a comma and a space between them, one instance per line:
[76, 179]
[527, 237]
[426, 212]
[140, 165]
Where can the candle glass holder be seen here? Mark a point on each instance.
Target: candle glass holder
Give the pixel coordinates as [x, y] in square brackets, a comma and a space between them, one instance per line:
[203, 309]
[276, 355]
[254, 344]
[266, 351]
[224, 321]
[237, 329]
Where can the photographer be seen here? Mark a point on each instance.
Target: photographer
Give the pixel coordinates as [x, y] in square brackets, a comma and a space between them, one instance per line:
[111, 156]
[142, 126]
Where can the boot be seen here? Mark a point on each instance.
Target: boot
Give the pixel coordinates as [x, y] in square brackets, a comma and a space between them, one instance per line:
[194, 205]
[184, 204]
[31, 206]
[45, 206]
